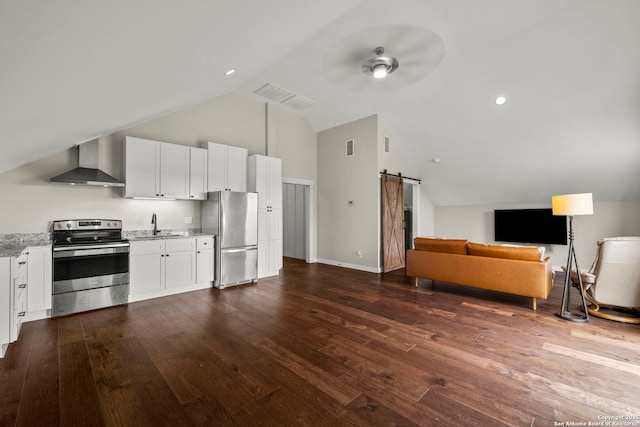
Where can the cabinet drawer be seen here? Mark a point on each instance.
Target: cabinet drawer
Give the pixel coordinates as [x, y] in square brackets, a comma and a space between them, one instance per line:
[204, 243]
[20, 291]
[177, 245]
[19, 311]
[19, 282]
[146, 247]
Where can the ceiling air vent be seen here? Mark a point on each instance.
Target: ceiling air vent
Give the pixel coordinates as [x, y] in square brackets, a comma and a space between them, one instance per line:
[273, 92]
[298, 102]
[283, 96]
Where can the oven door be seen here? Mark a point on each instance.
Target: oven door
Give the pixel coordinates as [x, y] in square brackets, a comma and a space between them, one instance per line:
[77, 268]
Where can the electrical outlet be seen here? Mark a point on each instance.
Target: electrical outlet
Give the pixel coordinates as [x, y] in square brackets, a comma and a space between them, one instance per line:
[188, 220]
[359, 253]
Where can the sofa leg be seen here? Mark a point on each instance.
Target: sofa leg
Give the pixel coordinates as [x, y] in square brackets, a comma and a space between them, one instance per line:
[417, 282]
[534, 304]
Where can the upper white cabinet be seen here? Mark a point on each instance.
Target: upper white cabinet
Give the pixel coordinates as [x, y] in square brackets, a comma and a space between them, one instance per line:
[227, 167]
[265, 178]
[174, 171]
[198, 175]
[155, 169]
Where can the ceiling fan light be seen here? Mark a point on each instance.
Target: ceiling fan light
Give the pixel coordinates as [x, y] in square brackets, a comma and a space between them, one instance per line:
[380, 71]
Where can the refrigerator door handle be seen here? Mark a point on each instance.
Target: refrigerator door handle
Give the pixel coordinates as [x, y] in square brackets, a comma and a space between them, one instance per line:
[244, 249]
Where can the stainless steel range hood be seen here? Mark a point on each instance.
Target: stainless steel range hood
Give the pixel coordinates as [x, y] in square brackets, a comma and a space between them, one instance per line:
[87, 173]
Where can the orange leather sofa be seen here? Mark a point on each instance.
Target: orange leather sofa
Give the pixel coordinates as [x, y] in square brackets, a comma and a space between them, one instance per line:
[510, 269]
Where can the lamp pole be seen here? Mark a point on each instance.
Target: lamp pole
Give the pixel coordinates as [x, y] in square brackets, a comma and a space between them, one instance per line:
[565, 312]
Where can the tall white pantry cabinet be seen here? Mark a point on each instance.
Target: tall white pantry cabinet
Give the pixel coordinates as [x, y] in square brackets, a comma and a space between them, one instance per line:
[264, 176]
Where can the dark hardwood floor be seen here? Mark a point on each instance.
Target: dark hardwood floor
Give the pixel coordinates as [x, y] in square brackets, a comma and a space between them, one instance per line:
[323, 346]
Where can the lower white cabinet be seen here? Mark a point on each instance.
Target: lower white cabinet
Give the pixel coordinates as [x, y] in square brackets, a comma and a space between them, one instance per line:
[269, 242]
[161, 267]
[205, 259]
[39, 266]
[180, 262]
[19, 294]
[6, 309]
[25, 291]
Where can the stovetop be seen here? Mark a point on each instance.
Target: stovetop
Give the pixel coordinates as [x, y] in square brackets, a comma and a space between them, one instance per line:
[87, 231]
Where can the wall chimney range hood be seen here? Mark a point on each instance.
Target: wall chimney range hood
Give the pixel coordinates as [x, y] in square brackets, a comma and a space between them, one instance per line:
[87, 172]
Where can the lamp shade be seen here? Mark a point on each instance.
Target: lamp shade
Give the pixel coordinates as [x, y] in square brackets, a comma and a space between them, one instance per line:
[572, 204]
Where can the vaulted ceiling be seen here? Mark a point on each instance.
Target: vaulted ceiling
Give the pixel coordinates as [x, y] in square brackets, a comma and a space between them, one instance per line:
[569, 69]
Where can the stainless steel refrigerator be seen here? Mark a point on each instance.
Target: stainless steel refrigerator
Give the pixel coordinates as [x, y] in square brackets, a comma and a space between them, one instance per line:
[233, 217]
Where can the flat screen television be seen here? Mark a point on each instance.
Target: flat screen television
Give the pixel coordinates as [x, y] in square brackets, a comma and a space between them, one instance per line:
[530, 226]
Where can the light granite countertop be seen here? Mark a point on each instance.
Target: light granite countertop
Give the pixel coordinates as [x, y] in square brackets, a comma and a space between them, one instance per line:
[166, 236]
[12, 245]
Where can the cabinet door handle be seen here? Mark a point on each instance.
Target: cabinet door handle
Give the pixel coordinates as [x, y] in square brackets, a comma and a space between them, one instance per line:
[22, 262]
[24, 285]
[21, 314]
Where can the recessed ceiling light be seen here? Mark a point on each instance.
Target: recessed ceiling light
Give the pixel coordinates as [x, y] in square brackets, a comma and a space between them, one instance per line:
[229, 72]
[500, 100]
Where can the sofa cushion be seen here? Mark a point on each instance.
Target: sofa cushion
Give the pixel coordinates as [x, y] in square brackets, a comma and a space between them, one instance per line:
[450, 246]
[509, 252]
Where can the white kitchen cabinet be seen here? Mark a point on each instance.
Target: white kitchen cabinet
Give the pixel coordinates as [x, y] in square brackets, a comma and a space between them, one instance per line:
[265, 178]
[205, 271]
[155, 169]
[180, 262]
[174, 171]
[198, 174]
[6, 309]
[18, 294]
[24, 280]
[227, 167]
[146, 266]
[141, 167]
[39, 281]
[159, 267]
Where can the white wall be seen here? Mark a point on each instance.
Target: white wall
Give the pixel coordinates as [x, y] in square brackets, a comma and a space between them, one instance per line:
[610, 219]
[350, 232]
[397, 161]
[348, 195]
[30, 203]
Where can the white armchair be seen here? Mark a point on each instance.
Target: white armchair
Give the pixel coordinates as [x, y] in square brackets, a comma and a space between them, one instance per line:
[612, 284]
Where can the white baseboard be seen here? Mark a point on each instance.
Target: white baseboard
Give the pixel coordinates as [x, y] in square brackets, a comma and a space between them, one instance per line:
[352, 266]
[37, 315]
[268, 274]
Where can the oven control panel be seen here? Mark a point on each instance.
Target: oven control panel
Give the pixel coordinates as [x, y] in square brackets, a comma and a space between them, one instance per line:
[87, 224]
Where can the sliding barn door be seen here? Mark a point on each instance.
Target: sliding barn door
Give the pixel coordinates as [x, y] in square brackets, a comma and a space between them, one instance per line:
[392, 223]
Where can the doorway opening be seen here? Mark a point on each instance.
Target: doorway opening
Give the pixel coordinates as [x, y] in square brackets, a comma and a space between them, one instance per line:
[411, 211]
[296, 218]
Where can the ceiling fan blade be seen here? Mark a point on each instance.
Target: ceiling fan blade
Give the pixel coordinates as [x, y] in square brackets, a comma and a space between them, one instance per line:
[418, 50]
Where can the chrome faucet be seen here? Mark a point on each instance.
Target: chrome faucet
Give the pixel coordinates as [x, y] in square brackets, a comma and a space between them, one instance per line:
[154, 221]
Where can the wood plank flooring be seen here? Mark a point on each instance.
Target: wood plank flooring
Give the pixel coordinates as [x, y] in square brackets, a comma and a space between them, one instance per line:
[323, 346]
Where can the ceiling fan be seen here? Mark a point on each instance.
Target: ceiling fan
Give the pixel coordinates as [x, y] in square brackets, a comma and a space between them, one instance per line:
[383, 58]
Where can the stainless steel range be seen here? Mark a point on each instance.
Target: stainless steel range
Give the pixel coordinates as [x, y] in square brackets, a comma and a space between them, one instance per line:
[90, 265]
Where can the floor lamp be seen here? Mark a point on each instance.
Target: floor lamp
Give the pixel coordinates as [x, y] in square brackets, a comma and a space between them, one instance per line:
[570, 205]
